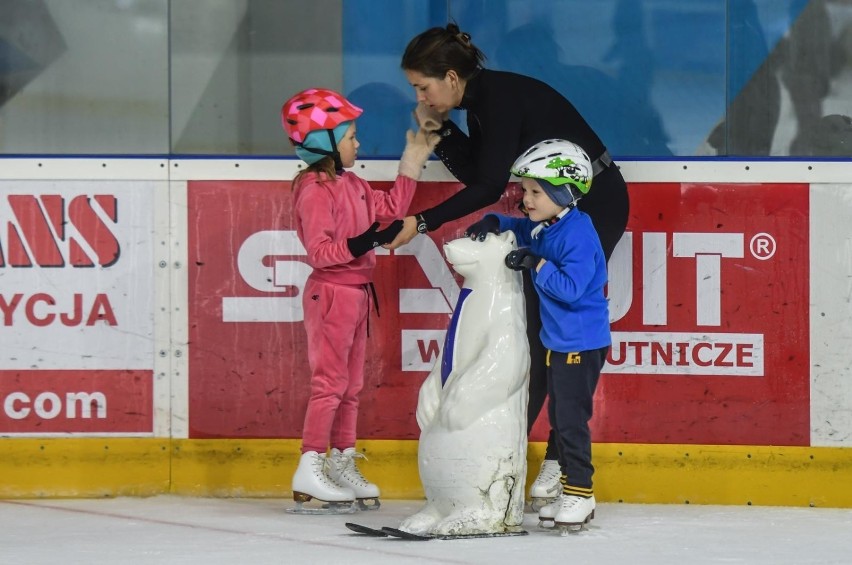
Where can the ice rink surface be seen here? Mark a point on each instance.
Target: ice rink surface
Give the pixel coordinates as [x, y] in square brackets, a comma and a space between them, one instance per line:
[171, 529]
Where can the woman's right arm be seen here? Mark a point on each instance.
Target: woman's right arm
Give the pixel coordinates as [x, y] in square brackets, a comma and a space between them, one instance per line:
[481, 161]
[456, 152]
[466, 201]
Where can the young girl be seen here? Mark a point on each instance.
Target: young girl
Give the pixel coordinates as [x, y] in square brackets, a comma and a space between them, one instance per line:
[337, 218]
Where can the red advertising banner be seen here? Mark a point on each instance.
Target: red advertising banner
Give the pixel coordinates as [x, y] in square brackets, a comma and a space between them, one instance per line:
[709, 297]
[76, 402]
[249, 373]
[708, 294]
[77, 307]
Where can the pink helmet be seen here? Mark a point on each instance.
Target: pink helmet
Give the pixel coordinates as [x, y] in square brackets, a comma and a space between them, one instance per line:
[315, 109]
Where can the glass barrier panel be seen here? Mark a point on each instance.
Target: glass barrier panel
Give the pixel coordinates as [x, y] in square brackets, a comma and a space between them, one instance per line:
[654, 78]
[83, 77]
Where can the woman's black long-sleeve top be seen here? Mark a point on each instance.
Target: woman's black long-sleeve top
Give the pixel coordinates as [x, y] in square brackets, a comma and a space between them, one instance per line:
[506, 114]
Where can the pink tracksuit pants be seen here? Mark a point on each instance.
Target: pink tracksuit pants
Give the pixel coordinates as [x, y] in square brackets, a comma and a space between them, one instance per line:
[336, 324]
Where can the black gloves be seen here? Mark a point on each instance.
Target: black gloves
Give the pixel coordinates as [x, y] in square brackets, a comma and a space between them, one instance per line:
[488, 224]
[371, 238]
[522, 259]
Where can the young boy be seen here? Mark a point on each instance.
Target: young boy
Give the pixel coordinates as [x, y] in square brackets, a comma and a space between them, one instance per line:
[559, 244]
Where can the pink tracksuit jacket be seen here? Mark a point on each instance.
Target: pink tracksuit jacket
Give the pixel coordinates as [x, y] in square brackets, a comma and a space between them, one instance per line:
[336, 299]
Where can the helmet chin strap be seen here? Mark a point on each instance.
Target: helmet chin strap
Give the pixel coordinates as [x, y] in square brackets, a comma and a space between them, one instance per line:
[549, 222]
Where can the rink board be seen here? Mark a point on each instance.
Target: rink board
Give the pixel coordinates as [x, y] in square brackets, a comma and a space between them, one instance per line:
[171, 291]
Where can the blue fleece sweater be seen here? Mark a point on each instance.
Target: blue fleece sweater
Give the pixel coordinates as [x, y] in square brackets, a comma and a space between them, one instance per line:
[574, 310]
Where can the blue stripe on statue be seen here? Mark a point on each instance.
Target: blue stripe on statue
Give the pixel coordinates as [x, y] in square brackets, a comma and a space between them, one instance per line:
[450, 339]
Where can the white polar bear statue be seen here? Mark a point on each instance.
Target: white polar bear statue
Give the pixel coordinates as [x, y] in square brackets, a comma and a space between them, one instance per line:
[472, 408]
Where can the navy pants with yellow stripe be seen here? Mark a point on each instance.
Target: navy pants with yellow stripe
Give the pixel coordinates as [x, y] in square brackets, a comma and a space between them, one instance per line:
[571, 382]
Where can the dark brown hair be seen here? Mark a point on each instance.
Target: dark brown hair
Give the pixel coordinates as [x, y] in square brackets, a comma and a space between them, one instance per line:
[438, 50]
[324, 168]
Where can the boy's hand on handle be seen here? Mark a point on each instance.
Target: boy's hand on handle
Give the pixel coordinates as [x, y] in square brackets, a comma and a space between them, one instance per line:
[488, 224]
[409, 230]
[428, 118]
[371, 238]
[522, 259]
[418, 146]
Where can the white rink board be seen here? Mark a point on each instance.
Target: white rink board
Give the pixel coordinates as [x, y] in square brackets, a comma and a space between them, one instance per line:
[831, 314]
[161, 253]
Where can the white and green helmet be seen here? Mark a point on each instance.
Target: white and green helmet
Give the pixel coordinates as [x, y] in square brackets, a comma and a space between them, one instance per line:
[561, 167]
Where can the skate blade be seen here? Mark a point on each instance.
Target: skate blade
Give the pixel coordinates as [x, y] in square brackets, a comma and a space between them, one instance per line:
[326, 508]
[365, 504]
[570, 530]
[401, 534]
[566, 528]
[366, 530]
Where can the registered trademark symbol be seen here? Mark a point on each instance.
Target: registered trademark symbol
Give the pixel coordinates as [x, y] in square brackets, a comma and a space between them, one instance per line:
[762, 246]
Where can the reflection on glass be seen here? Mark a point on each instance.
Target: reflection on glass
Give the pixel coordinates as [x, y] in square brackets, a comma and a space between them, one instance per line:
[815, 74]
[84, 76]
[235, 62]
[613, 63]
[618, 107]
[372, 76]
[788, 79]
[655, 78]
[753, 87]
[386, 117]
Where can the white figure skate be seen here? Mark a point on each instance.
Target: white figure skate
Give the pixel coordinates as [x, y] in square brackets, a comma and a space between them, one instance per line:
[343, 471]
[569, 513]
[546, 487]
[311, 482]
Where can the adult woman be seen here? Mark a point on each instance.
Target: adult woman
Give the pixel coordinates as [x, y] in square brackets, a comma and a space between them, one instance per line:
[506, 113]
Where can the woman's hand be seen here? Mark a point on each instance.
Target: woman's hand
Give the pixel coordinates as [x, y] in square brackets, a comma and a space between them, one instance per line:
[406, 234]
